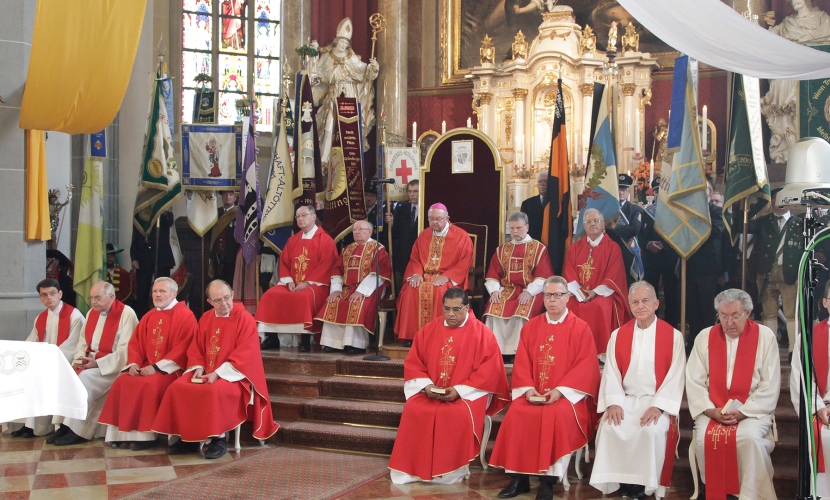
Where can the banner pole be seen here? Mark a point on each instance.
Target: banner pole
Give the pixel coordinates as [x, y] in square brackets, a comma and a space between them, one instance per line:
[744, 243]
[202, 279]
[683, 296]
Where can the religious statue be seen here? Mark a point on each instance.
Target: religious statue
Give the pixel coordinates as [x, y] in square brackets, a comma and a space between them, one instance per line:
[337, 71]
[631, 39]
[612, 38]
[520, 46]
[487, 51]
[55, 209]
[661, 132]
[808, 26]
[588, 41]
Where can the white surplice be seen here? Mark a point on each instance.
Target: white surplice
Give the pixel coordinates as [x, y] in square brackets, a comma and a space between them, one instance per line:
[99, 380]
[755, 439]
[631, 453]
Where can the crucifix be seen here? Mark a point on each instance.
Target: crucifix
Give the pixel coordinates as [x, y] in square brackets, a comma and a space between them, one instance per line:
[447, 362]
[157, 338]
[213, 350]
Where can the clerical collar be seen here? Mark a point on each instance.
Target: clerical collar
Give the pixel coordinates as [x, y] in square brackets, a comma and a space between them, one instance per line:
[653, 322]
[57, 308]
[595, 243]
[225, 316]
[552, 322]
[310, 234]
[526, 239]
[443, 232]
[171, 306]
[462, 323]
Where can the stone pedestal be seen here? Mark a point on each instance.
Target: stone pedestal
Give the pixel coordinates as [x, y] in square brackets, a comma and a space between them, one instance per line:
[391, 52]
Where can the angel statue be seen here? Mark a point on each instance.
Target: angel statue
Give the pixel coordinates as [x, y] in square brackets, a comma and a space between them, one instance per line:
[631, 39]
[55, 208]
[589, 40]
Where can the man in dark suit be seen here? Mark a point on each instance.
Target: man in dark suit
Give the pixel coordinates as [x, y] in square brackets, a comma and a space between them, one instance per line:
[404, 223]
[534, 207]
[223, 245]
[143, 256]
[777, 252]
[628, 231]
[660, 262]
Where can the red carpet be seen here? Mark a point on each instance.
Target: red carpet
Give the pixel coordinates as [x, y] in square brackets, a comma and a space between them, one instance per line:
[279, 473]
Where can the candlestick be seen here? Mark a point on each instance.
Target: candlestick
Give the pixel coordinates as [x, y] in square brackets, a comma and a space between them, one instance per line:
[414, 131]
[443, 127]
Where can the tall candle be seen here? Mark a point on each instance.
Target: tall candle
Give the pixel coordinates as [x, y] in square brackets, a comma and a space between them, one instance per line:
[443, 127]
[705, 131]
[469, 122]
[414, 131]
[651, 173]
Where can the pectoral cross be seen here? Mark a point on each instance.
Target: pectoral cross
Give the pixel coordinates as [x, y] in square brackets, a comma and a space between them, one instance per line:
[447, 362]
[213, 349]
[157, 338]
[545, 362]
[719, 432]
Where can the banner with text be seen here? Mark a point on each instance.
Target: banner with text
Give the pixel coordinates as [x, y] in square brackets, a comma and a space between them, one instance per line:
[402, 165]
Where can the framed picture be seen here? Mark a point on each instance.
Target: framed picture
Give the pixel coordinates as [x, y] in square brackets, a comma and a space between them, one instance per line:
[211, 156]
[462, 157]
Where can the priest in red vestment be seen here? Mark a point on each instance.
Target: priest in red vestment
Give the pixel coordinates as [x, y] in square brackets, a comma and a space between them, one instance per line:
[596, 279]
[225, 357]
[306, 266]
[454, 377]
[733, 379]
[514, 280]
[349, 313]
[440, 260]
[156, 356]
[554, 388]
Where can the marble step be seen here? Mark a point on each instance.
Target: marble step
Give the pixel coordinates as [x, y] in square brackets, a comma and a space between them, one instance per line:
[352, 412]
[338, 437]
[294, 363]
[363, 389]
[358, 367]
[293, 385]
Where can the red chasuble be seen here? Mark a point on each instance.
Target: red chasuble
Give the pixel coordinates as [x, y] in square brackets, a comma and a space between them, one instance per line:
[303, 260]
[199, 411]
[111, 324]
[357, 263]
[435, 437]
[592, 267]
[432, 256]
[533, 437]
[133, 402]
[820, 362]
[663, 357]
[64, 323]
[720, 446]
[515, 266]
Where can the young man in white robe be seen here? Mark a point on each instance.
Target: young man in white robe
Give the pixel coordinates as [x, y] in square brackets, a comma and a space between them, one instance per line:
[733, 379]
[640, 393]
[100, 355]
[60, 324]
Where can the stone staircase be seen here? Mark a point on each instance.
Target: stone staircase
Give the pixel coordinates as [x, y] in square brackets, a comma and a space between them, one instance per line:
[344, 403]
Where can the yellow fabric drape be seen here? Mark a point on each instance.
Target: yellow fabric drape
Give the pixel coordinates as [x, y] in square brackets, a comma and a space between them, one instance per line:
[81, 60]
[37, 188]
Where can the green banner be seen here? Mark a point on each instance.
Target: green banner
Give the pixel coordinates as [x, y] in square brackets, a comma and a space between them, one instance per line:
[814, 105]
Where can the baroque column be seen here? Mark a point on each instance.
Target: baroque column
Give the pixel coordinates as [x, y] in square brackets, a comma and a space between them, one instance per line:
[295, 29]
[587, 91]
[629, 140]
[392, 57]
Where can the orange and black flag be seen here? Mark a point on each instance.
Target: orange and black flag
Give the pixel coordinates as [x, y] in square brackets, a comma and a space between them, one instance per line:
[557, 225]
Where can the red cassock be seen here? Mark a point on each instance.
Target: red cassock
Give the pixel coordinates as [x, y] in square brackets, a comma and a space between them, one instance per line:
[533, 437]
[357, 263]
[199, 411]
[434, 437]
[591, 267]
[515, 266]
[432, 256]
[133, 402]
[311, 260]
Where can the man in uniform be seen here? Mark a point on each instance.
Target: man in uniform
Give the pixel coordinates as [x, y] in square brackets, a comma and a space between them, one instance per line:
[150, 260]
[514, 281]
[534, 207]
[121, 279]
[157, 354]
[404, 225]
[100, 356]
[349, 313]
[223, 246]
[660, 262]
[628, 230]
[306, 266]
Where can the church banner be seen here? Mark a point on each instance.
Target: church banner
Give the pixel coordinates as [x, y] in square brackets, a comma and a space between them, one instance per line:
[401, 165]
[814, 106]
[278, 205]
[249, 211]
[308, 173]
[211, 157]
[344, 203]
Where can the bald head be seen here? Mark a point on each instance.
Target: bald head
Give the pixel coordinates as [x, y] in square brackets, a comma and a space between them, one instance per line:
[361, 231]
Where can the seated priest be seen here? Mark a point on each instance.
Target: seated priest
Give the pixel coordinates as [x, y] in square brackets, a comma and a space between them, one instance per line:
[306, 266]
[99, 357]
[514, 281]
[224, 384]
[349, 313]
[60, 324]
[596, 279]
[733, 378]
[820, 410]
[440, 260]
[454, 377]
[640, 393]
[554, 388]
[156, 356]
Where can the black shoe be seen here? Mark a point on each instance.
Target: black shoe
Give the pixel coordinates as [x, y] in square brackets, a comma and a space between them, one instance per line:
[181, 447]
[62, 430]
[354, 350]
[217, 448]
[637, 491]
[69, 438]
[271, 341]
[142, 445]
[330, 350]
[305, 343]
[518, 486]
[407, 343]
[508, 358]
[545, 489]
[23, 432]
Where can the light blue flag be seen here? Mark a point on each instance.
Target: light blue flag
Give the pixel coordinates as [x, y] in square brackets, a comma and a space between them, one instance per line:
[682, 217]
[601, 184]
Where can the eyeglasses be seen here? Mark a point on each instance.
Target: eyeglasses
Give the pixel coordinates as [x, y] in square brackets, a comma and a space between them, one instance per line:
[302, 216]
[435, 219]
[227, 299]
[734, 318]
[555, 296]
[97, 298]
[53, 293]
[454, 309]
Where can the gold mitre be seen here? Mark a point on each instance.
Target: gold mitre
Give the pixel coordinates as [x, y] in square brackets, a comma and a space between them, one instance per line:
[344, 29]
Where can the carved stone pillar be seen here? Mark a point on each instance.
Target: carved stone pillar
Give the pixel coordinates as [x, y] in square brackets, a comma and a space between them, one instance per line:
[486, 113]
[629, 113]
[587, 91]
[520, 139]
[392, 57]
[295, 29]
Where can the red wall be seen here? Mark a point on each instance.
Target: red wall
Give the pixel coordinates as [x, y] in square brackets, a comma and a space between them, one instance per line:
[429, 107]
[327, 14]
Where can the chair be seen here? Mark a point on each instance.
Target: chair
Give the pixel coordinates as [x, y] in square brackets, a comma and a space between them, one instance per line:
[237, 446]
[478, 269]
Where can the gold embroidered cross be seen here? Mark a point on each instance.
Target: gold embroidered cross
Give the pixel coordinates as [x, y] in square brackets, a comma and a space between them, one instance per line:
[157, 338]
[213, 349]
[719, 432]
[447, 362]
[300, 265]
[587, 268]
[545, 362]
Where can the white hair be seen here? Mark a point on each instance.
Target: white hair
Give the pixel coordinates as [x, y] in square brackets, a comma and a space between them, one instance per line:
[733, 295]
[174, 287]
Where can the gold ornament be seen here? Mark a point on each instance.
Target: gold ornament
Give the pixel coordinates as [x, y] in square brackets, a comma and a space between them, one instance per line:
[487, 51]
[631, 39]
[589, 41]
[520, 46]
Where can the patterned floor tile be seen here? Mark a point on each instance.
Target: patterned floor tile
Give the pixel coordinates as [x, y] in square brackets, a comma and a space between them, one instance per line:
[184, 470]
[14, 457]
[67, 466]
[15, 495]
[21, 469]
[20, 444]
[16, 483]
[140, 461]
[140, 475]
[49, 481]
[117, 490]
[71, 454]
[81, 492]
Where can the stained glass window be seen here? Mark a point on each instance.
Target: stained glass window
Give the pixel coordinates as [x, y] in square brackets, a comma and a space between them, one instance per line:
[237, 43]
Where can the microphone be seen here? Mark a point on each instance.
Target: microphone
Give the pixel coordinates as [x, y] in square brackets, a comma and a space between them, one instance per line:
[381, 181]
